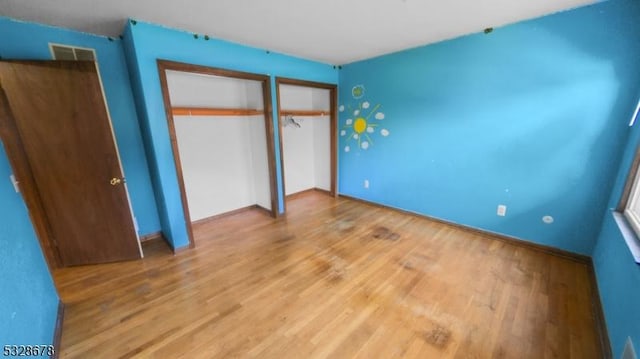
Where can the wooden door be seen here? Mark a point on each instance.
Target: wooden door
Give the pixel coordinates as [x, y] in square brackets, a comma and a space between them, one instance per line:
[56, 130]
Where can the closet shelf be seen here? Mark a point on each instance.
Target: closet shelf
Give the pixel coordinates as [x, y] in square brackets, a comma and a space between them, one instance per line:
[305, 112]
[209, 111]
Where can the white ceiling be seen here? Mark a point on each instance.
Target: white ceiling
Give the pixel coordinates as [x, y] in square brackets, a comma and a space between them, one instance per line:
[331, 31]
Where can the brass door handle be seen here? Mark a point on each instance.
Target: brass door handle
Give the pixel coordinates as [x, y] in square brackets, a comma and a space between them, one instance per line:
[115, 181]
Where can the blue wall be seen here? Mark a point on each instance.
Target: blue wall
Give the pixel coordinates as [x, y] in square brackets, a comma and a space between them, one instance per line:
[28, 299]
[617, 273]
[23, 40]
[144, 43]
[532, 115]
[619, 284]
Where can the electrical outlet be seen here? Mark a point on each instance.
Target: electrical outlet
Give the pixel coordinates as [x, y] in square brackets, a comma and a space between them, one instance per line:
[366, 183]
[502, 210]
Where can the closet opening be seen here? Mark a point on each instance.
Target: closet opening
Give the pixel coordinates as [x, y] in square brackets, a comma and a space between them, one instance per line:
[307, 114]
[222, 140]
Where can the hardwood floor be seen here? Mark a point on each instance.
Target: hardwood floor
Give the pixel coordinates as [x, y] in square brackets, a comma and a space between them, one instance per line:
[335, 278]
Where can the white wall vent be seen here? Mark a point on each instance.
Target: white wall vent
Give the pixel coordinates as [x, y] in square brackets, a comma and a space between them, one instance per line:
[72, 53]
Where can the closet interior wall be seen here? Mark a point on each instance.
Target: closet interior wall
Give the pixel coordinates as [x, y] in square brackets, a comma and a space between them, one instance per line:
[307, 147]
[224, 158]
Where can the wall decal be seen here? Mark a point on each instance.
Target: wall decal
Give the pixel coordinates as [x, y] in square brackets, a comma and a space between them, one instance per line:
[357, 91]
[363, 122]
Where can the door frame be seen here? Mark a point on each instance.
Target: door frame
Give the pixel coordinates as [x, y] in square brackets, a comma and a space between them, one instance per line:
[163, 66]
[14, 149]
[333, 128]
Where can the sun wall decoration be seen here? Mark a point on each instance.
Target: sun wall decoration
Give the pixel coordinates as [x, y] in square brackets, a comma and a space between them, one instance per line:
[363, 121]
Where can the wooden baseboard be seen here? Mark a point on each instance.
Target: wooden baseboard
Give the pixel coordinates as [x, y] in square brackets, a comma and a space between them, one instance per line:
[323, 191]
[57, 331]
[155, 236]
[298, 194]
[306, 191]
[501, 237]
[268, 212]
[598, 314]
[227, 214]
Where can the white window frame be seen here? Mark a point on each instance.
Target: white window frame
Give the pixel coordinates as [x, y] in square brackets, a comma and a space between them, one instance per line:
[632, 216]
[627, 219]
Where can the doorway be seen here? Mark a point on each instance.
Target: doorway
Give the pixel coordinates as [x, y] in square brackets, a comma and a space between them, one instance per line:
[308, 120]
[222, 140]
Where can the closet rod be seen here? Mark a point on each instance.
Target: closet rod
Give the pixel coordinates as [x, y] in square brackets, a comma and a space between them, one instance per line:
[209, 111]
[304, 112]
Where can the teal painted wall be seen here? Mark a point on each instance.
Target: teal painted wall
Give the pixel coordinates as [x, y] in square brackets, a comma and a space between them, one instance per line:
[617, 273]
[28, 298]
[144, 43]
[23, 40]
[619, 284]
[533, 115]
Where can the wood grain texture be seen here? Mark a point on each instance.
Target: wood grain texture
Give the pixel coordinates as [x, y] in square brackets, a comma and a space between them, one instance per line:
[306, 192]
[271, 150]
[305, 112]
[234, 212]
[335, 278]
[60, 116]
[19, 162]
[208, 111]
[163, 66]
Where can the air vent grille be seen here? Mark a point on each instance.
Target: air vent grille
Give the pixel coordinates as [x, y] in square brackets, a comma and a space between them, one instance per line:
[63, 52]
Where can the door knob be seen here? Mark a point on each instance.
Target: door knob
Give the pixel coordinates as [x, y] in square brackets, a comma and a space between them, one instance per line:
[115, 181]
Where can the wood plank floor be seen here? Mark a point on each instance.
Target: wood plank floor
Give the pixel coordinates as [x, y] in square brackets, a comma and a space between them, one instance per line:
[334, 279]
